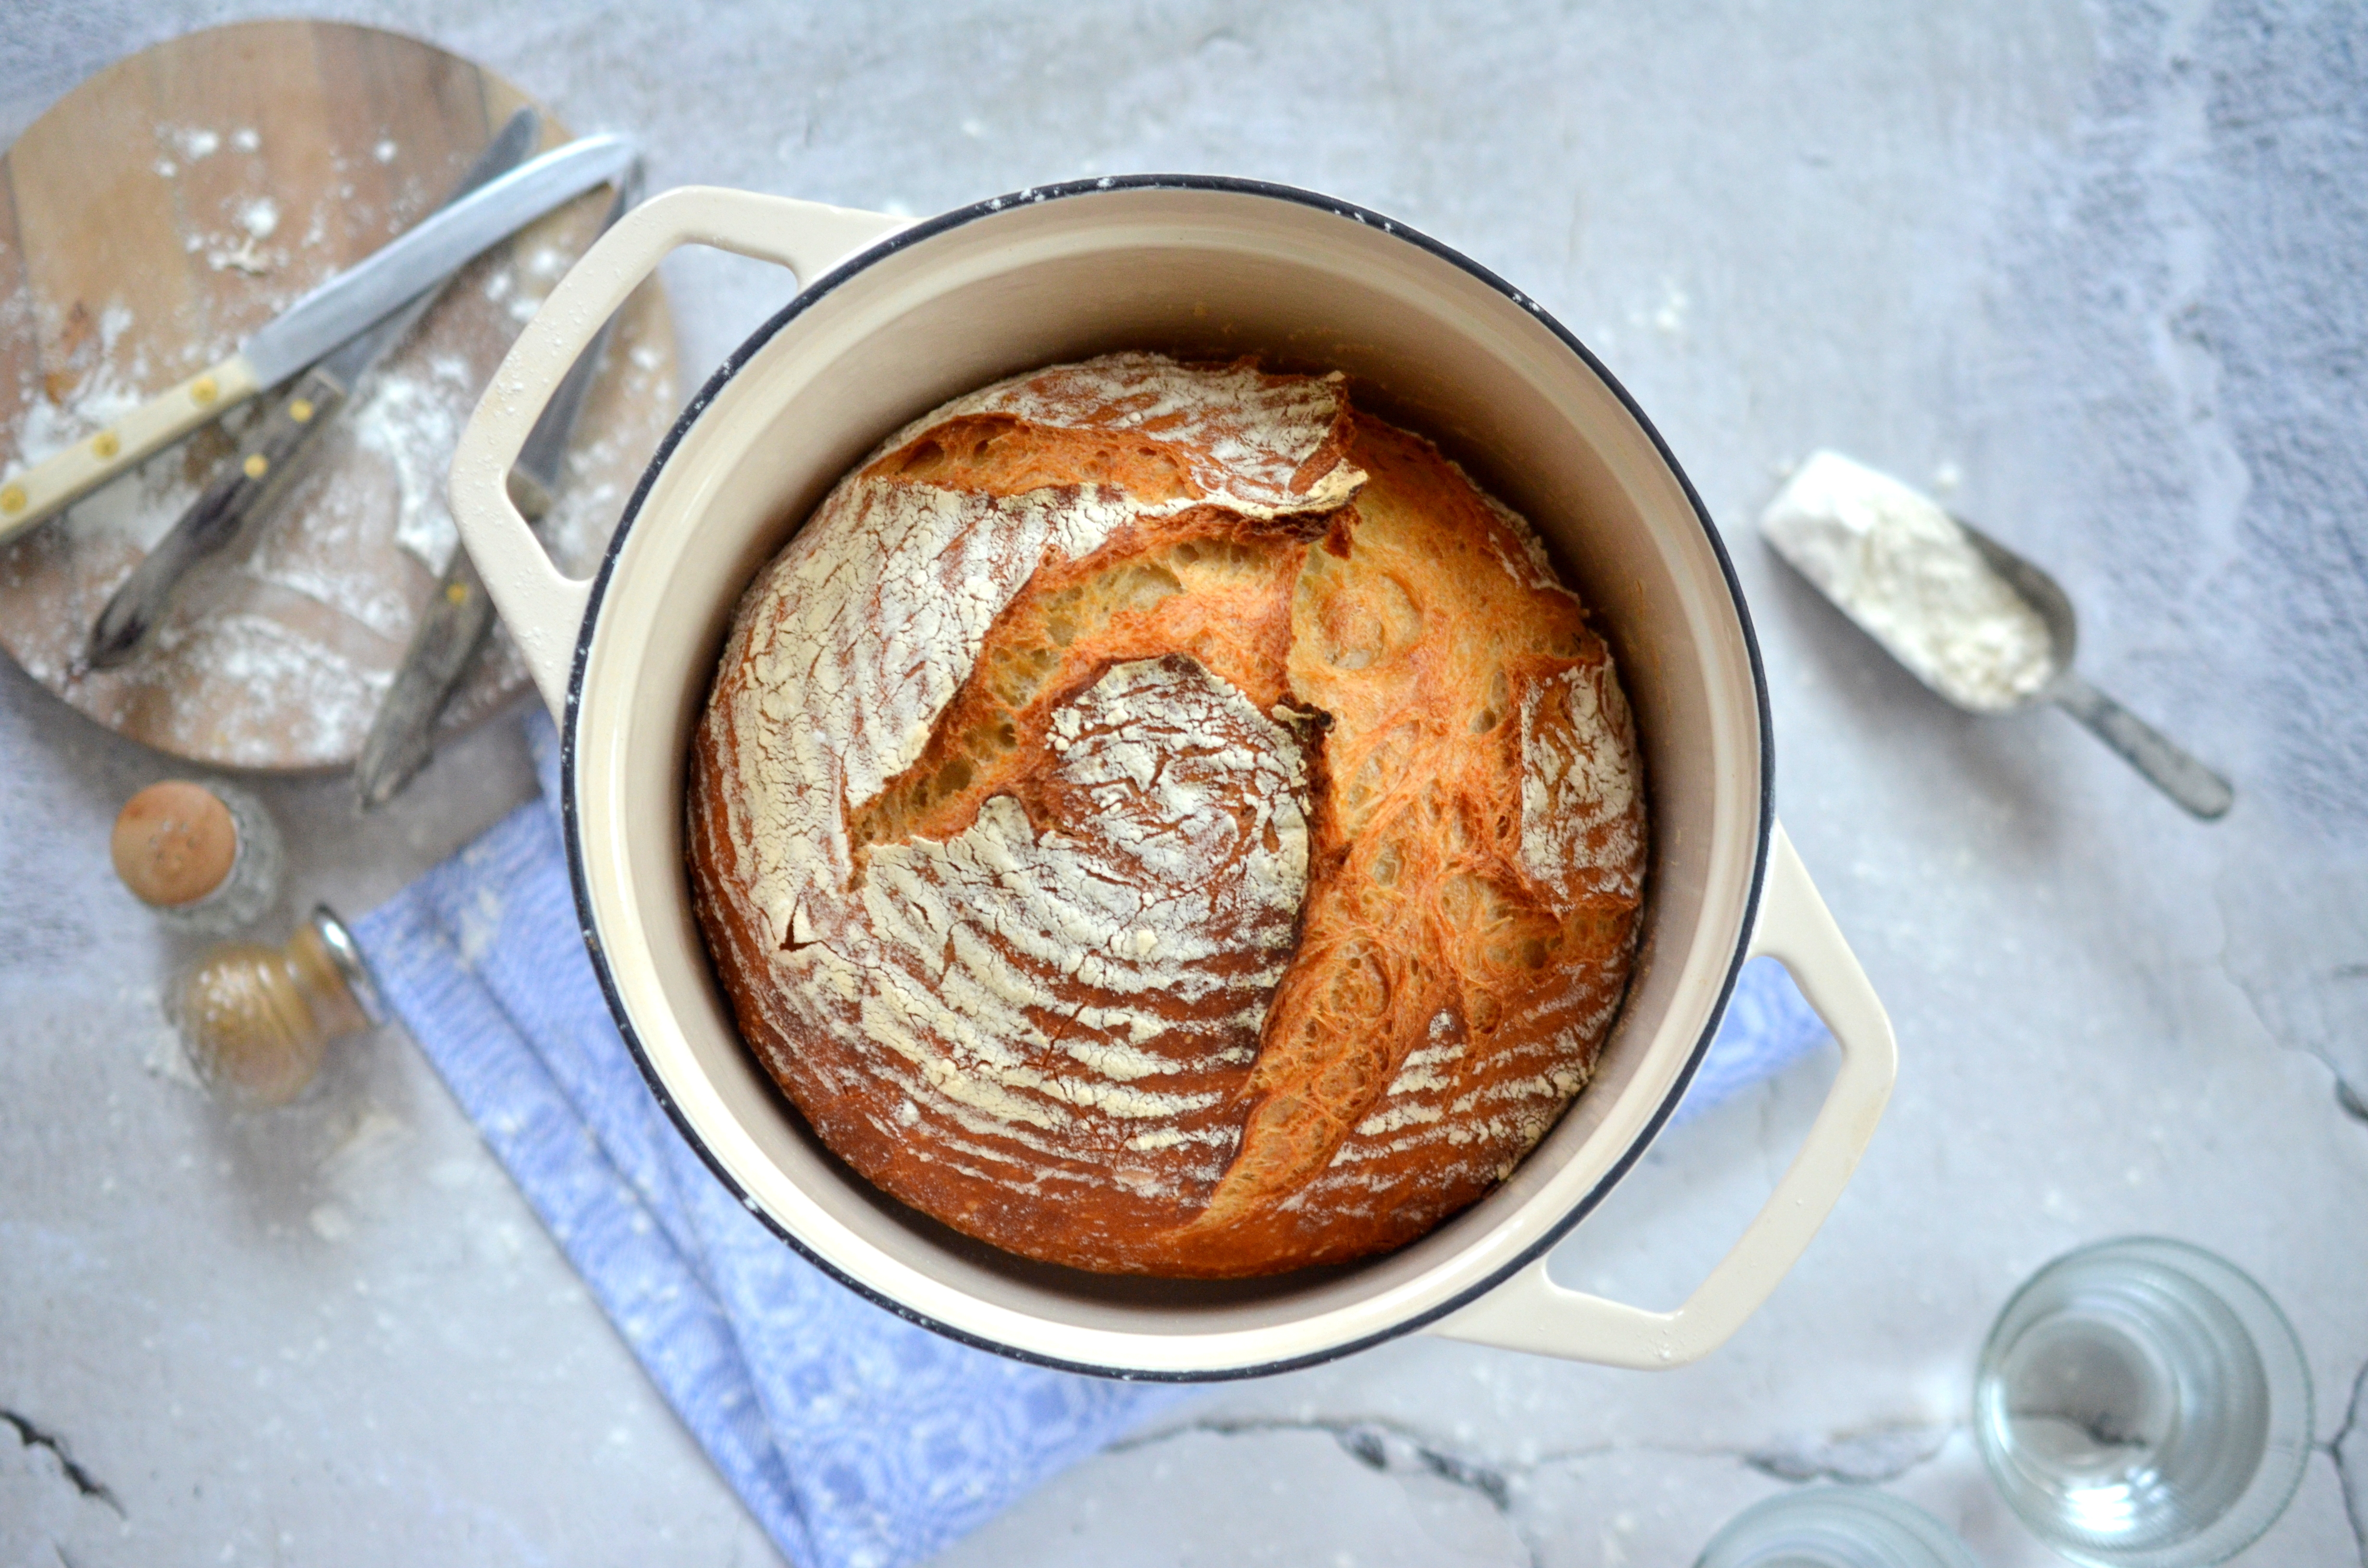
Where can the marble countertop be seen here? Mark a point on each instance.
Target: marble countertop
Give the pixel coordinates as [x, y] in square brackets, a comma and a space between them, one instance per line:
[2089, 272]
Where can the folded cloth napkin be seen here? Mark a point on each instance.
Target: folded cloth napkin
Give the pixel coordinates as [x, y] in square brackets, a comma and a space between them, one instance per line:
[857, 1439]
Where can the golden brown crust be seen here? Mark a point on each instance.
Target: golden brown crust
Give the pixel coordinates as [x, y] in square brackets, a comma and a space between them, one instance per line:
[1378, 699]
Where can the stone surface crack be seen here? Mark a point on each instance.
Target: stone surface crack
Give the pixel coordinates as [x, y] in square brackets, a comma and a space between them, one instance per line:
[90, 1485]
[1385, 1447]
[1387, 1451]
[2346, 1098]
[2349, 1450]
[2351, 1101]
[1874, 1455]
[1878, 1454]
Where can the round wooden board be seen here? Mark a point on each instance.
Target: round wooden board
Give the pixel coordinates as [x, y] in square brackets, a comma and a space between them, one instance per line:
[149, 221]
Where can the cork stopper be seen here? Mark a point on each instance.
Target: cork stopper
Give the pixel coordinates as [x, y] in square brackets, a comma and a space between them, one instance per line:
[174, 843]
[247, 1027]
[257, 1021]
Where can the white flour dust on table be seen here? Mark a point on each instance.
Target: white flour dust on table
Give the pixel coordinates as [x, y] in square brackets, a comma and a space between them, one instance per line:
[278, 655]
[1909, 575]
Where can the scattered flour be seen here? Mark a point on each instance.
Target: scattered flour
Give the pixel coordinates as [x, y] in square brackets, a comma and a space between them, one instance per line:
[1908, 573]
[413, 420]
[297, 694]
[479, 926]
[281, 657]
[331, 1223]
[371, 1135]
[166, 1057]
[588, 505]
[139, 509]
[244, 258]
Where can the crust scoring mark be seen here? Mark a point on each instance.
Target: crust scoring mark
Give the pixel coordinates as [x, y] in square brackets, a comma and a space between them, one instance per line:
[1580, 814]
[1251, 442]
[1172, 883]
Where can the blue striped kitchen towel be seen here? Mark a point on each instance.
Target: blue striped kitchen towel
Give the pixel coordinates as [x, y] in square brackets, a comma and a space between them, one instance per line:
[855, 1438]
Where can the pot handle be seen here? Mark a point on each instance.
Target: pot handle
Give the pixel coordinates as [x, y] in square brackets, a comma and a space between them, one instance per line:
[542, 609]
[1529, 1311]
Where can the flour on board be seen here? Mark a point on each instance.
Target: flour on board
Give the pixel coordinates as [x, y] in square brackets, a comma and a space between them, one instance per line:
[280, 656]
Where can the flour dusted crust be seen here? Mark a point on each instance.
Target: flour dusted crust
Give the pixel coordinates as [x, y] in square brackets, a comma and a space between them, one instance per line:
[1156, 818]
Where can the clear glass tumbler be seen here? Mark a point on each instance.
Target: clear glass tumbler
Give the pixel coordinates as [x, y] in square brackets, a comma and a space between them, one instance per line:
[1835, 1527]
[2142, 1403]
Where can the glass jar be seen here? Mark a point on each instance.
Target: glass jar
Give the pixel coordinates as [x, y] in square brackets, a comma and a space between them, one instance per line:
[257, 1021]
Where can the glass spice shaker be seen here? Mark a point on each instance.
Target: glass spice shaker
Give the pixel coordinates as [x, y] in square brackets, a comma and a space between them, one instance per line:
[257, 1021]
[205, 857]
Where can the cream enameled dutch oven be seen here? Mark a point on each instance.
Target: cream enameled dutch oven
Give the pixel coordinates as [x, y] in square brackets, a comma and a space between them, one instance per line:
[896, 317]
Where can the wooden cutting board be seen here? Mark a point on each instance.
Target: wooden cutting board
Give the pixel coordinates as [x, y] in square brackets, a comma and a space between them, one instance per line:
[149, 221]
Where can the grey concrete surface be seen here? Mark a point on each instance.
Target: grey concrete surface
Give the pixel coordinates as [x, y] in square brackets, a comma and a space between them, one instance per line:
[2091, 272]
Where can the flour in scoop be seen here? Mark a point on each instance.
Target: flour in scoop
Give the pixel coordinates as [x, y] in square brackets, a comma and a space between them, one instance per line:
[1913, 580]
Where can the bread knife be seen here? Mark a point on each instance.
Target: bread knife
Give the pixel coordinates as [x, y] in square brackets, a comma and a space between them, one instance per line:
[382, 282]
[251, 487]
[453, 626]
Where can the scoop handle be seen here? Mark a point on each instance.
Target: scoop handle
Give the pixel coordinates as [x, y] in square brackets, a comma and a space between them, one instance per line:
[1529, 1311]
[2165, 763]
[542, 607]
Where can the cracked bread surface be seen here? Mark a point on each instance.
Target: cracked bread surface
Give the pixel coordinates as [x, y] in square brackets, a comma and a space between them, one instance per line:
[1155, 818]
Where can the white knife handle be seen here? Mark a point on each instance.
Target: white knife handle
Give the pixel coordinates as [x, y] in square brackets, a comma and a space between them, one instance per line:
[57, 480]
[542, 609]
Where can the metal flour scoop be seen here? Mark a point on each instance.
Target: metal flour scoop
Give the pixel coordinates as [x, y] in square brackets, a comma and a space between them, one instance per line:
[1969, 617]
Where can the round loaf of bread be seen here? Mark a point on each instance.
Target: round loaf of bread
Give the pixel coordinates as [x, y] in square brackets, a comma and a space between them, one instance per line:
[1156, 818]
